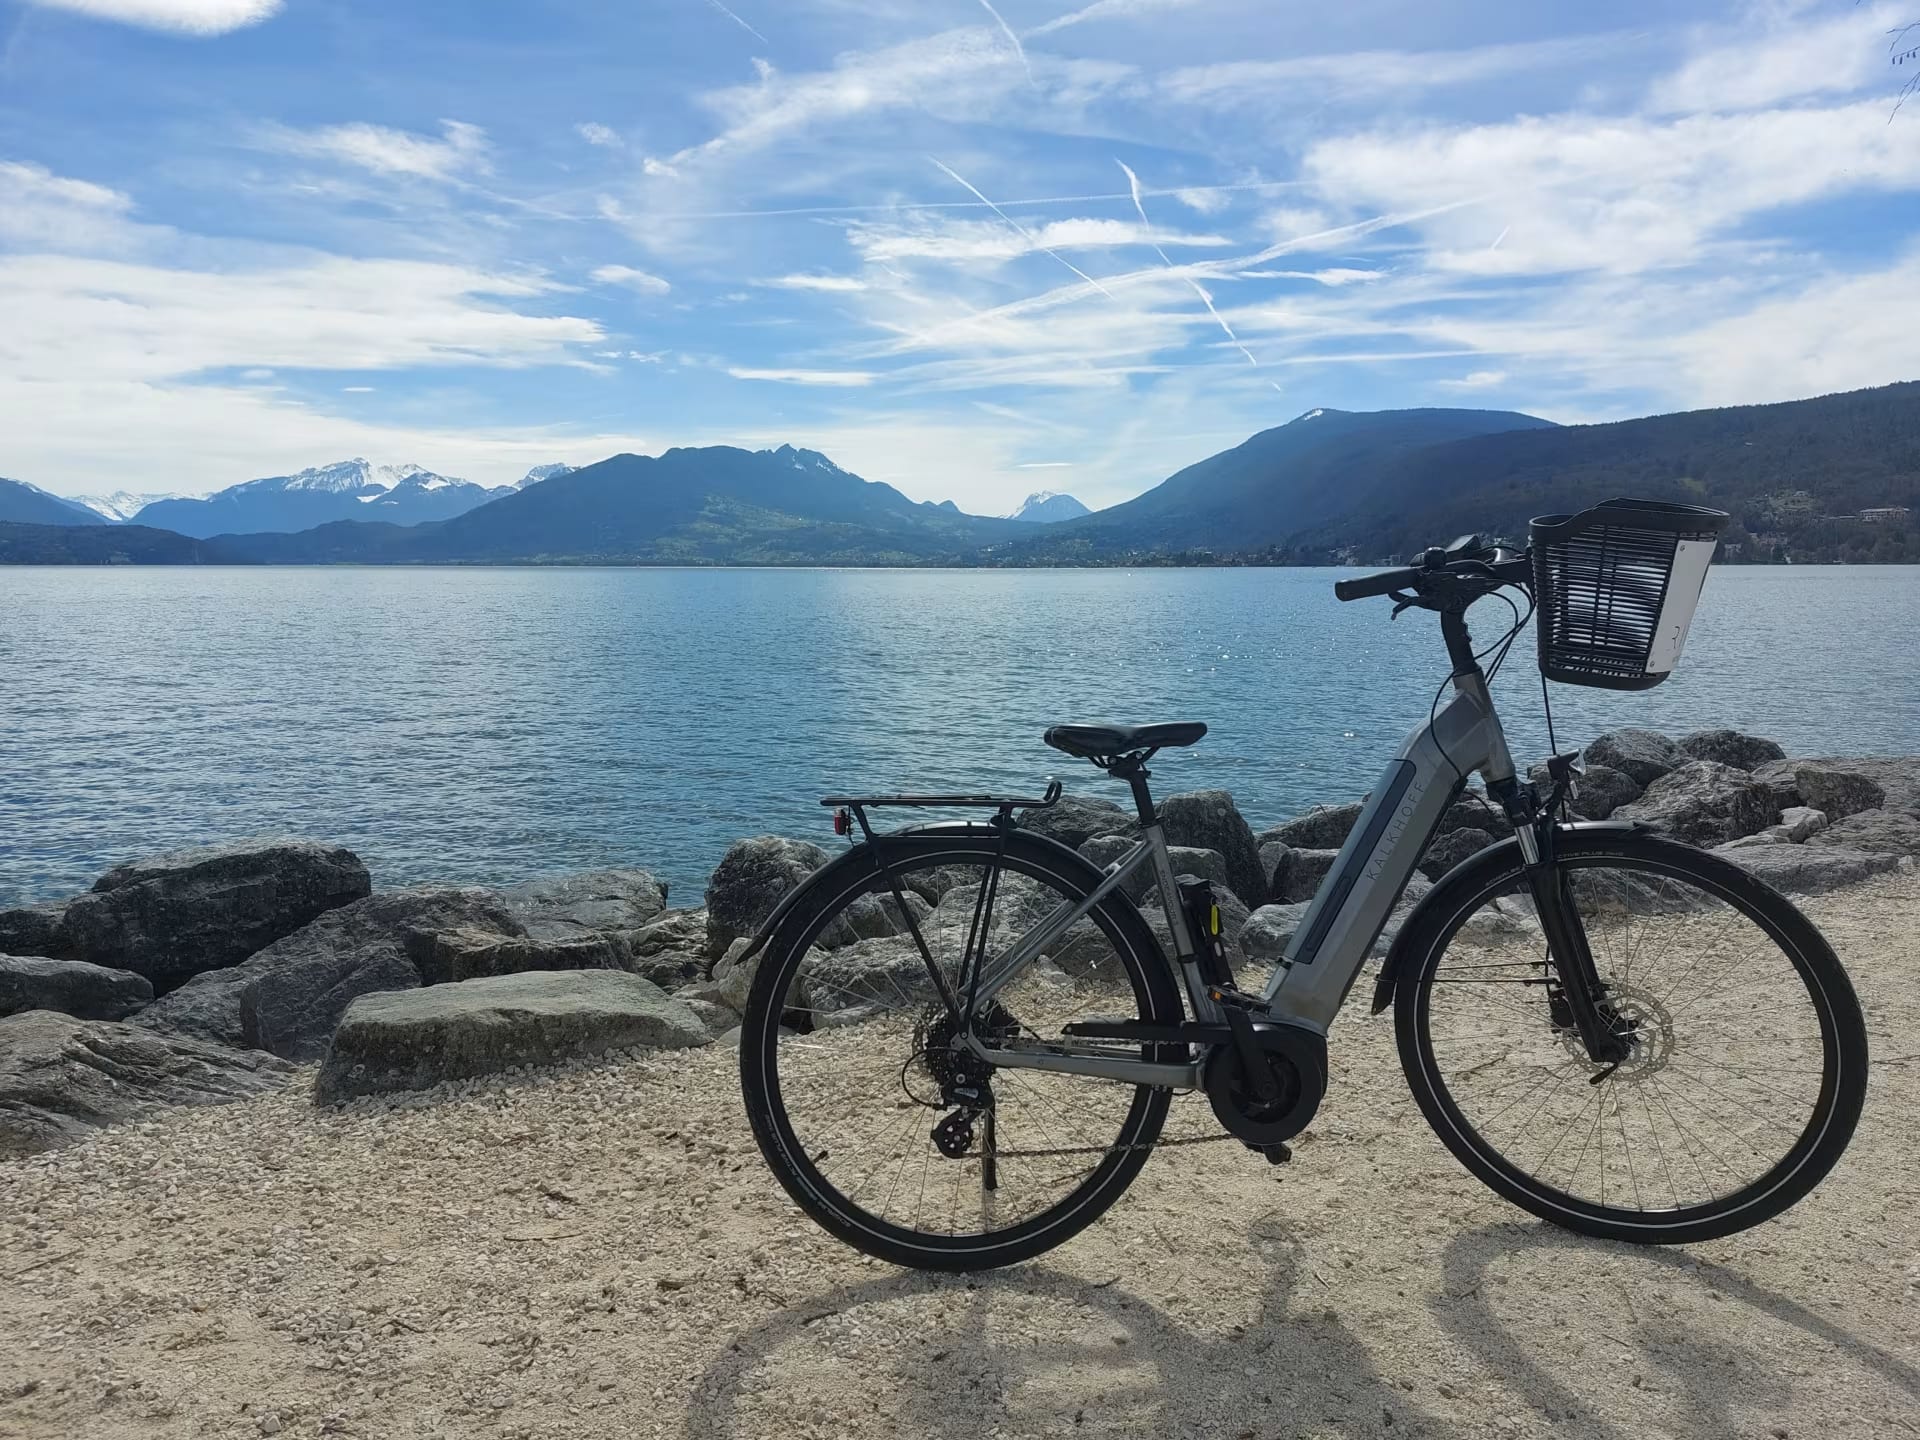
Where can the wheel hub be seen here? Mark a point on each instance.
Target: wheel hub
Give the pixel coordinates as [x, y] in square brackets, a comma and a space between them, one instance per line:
[1637, 1017]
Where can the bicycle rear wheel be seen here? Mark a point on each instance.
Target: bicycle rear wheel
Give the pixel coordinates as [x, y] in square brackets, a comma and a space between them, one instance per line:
[849, 1054]
[1747, 1064]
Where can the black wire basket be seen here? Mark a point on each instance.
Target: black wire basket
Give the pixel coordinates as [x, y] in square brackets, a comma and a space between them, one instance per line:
[1616, 588]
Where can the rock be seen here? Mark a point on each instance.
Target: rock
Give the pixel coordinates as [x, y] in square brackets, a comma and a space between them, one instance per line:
[752, 878]
[1883, 832]
[874, 917]
[1801, 822]
[72, 987]
[1075, 819]
[1838, 788]
[1809, 869]
[173, 916]
[1103, 850]
[1644, 755]
[1275, 855]
[733, 978]
[1233, 920]
[671, 949]
[717, 1019]
[206, 1008]
[289, 997]
[1449, 850]
[1704, 803]
[416, 1039]
[870, 977]
[469, 953]
[1729, 747]
[1270, 928]
[1473, 811]
[62, 1078]
[36, 930]
[1598, 792]
[1324, 827]
[1305, 870]
[932, 885]
[597, 901]
[1208, 820]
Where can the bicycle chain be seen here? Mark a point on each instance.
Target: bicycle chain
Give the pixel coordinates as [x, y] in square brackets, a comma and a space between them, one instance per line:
[1105, 1149]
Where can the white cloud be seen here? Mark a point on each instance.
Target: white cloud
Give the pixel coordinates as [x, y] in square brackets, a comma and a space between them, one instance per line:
[462, 148]
[632, 279]
[1477, 380]
[185, 17]
[41, 210]
[1108, 10]
[594, 133]
[1827, 57]
[939, 239]
[835, 378]
[658, 168]
[1208, 200]
[830, 284]
[356, 389]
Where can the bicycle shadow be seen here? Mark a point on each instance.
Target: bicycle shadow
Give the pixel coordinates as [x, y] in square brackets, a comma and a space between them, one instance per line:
[1032, 1350]
[1706, 1376]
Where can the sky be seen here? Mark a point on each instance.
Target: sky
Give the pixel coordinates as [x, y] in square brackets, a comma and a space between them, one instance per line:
[972, 249]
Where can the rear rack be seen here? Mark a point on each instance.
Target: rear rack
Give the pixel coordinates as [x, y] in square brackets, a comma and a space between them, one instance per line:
[936, 802]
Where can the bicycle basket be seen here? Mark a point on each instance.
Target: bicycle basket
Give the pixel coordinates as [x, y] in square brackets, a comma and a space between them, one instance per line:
[1616, 588]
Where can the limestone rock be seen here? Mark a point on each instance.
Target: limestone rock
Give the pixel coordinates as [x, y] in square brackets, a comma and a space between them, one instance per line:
[1809, 869]
[1075, 819]
[595, 902]
[1884, 832]
[1449, 850]
[72, 987]
[416, 1039]
[1729, 747]
[1324, 827]
[1704, 803]
[753, 877]
[1645, 755]
[36, 930]
[1208, 820]
[175, 915]
[471, 953]
[62, 1078]
[1305, 870]
[1838, 788]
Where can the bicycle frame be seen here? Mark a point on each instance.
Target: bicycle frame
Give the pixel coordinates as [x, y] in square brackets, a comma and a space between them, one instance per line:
[1341, 925]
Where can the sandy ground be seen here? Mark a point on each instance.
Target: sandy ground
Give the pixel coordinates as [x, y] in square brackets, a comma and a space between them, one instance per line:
[599, 1252]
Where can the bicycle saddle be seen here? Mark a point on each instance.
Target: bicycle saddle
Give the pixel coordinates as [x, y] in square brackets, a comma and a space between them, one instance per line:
[1096, 742]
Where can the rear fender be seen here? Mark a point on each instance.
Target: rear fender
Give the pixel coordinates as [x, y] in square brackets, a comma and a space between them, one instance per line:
[1468, 875]
[1089, 874]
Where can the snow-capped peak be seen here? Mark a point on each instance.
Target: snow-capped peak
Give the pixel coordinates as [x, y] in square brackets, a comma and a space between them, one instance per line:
[1048, 506]
[120, 506]
[1310, 415]
[542, 472]
[341, 477]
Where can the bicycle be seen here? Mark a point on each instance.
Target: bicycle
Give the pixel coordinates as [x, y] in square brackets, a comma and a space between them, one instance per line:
[1551, 992]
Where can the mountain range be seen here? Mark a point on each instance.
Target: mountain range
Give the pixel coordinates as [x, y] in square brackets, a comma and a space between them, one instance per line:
[1328, 487]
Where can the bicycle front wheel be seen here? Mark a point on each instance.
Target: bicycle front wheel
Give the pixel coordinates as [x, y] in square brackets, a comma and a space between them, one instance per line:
[1747, 1061]
[849, 1057]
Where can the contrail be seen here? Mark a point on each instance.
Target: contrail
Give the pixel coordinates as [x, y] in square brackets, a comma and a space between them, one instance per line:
[1025, 234]
[1498, 238]
[1133, 185]
[1012, 39]
[969, 204]
[738, 21]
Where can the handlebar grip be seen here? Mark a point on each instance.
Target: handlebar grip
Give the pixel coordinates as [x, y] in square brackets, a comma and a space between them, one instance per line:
[1383, 583]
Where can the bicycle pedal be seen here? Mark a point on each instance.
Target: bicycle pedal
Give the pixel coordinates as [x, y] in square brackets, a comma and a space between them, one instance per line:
[1277, 1154]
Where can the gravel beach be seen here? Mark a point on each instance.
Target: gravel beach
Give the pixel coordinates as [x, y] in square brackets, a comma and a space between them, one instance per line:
[598, 1251]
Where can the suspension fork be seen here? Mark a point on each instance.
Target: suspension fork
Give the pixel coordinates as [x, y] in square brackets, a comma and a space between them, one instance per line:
[1566, 932]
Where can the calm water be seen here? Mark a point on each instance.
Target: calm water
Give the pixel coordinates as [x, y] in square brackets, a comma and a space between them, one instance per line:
[491, 725]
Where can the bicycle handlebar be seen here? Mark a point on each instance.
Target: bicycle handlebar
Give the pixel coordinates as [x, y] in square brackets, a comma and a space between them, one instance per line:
[1503, 568]
[1383, 583]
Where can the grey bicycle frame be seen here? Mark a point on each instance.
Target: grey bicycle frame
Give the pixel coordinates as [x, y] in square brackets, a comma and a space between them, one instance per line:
[1339, 929]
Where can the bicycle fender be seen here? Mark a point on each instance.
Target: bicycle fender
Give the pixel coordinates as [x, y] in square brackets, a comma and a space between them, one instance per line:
[1465, 876]
[1090, 874]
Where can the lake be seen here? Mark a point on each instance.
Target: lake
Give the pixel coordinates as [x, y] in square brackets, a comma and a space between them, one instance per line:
[490, 725]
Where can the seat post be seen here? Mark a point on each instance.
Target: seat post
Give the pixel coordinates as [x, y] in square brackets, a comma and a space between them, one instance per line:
[1133, 770]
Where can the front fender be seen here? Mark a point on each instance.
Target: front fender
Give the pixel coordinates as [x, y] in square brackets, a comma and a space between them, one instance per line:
[1467, 875]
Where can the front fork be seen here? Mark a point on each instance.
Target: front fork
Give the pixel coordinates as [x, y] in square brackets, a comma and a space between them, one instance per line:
[1566, 932]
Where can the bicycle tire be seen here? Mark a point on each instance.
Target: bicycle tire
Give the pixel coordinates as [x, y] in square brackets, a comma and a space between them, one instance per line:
[1834, 1112]
[1155, 994]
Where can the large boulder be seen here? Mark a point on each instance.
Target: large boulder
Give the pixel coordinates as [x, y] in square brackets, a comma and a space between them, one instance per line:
[1305, 870]
[870, 977]
[1075, 819]
[1838, 788]
[289, 996]
[1809, 869]
[1274, 858]
[1233, 921]
[1704, 803]
[1450, 849]
[874, 916]
[1885, 832]
[1597, 793]
[1103, 850]
[468, 953]
[1729, 747]
[1645, 755]
[596, 902]
[73, 987]
[671, 949]
[1473, 811]
[175, 915]
[1208, 820]
[751, 879]
[62, 1078]
[416, 1039]
[1269, 930]
[1324, 827]
[36, 930]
